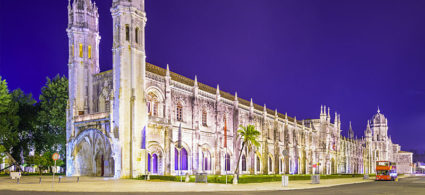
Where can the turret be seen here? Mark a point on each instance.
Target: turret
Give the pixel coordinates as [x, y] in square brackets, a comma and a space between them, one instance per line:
[328, 117]
[368, 132]
[350, 132]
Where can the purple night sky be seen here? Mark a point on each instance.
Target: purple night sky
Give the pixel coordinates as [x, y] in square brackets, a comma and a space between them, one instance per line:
[293, 55]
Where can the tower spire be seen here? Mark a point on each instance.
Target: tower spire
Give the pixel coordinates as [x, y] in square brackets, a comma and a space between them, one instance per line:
[167, 73]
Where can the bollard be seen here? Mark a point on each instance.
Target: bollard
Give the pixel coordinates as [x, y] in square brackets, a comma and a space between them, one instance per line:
[315, 179]
[60, 177]
[187, 179]
[285, 180]
[78, 179]
[17, 180]
[39, 181]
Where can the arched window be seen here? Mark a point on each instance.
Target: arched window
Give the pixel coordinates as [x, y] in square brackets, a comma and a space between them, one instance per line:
[149, 162]
[89, 51]
[206, 167]
[148, 104]
[127, 32]
[270, 164]
[137, 35]
[179, 112]
[204, 118]
[258, 164]
[155, 163]
[181, 159]
[243, 163]
[81, 50]
[152, 104]
[227, 165]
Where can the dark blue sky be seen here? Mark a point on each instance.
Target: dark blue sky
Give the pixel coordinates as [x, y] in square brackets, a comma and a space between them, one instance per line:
[293, 55]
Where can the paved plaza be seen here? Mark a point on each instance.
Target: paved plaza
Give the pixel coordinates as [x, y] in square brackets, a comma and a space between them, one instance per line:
[100, 184]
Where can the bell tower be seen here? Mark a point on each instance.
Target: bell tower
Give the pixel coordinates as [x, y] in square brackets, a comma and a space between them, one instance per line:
[83, 63]
[84, 39]
[130, 112]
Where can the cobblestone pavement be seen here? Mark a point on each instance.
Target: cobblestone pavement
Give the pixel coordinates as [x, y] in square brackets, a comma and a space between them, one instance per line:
[97, 185]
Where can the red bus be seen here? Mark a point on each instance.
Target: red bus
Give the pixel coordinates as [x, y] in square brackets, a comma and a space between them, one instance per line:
[385, 171]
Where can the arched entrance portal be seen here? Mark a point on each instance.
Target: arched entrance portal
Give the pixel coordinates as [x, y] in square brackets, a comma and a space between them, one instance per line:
[92, 154]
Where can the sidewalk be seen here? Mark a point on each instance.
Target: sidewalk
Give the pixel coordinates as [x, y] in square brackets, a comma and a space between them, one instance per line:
[99, 184]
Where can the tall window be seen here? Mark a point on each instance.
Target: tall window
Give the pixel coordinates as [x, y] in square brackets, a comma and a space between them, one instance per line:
[243, 163]
[89, 52]
[258, 164]
[149, 162]
[137, 35]
[155, 108]
[270, 164]
[204, 118]
[72, 50]
[179, 112]
[127, 32]
[81, 50]
[152, 104]
[227, 168]
[148, 104]
[154, 163]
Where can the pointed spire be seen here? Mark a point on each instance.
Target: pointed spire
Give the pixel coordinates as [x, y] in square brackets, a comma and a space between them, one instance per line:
[252, 103]
[368, 128]
[329, 111]
[350, 132]
[336, 118]
[321, 110]
[265, 109]
[236, 96]
[379, 111]
[196, 80]
[275, 112]
[167, 73]
[218, 89]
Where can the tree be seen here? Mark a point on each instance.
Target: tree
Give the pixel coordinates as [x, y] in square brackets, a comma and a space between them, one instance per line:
[50, 135]
[26, 114]
[43, 162]
[9, 119]
[4, 96]
[249, 136]
[2, 150]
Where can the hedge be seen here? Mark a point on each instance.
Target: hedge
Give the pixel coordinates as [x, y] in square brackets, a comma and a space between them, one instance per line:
[249, 178]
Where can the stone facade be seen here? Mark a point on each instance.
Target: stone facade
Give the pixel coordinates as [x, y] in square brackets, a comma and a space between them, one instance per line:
[126, 122]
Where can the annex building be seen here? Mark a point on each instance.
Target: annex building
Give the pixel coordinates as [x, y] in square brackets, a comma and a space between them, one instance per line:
[126, 122]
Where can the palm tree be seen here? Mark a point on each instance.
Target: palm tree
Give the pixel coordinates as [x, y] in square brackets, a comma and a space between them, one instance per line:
[248, 135]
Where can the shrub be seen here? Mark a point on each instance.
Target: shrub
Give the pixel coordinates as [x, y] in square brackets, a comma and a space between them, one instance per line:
[250, 178]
